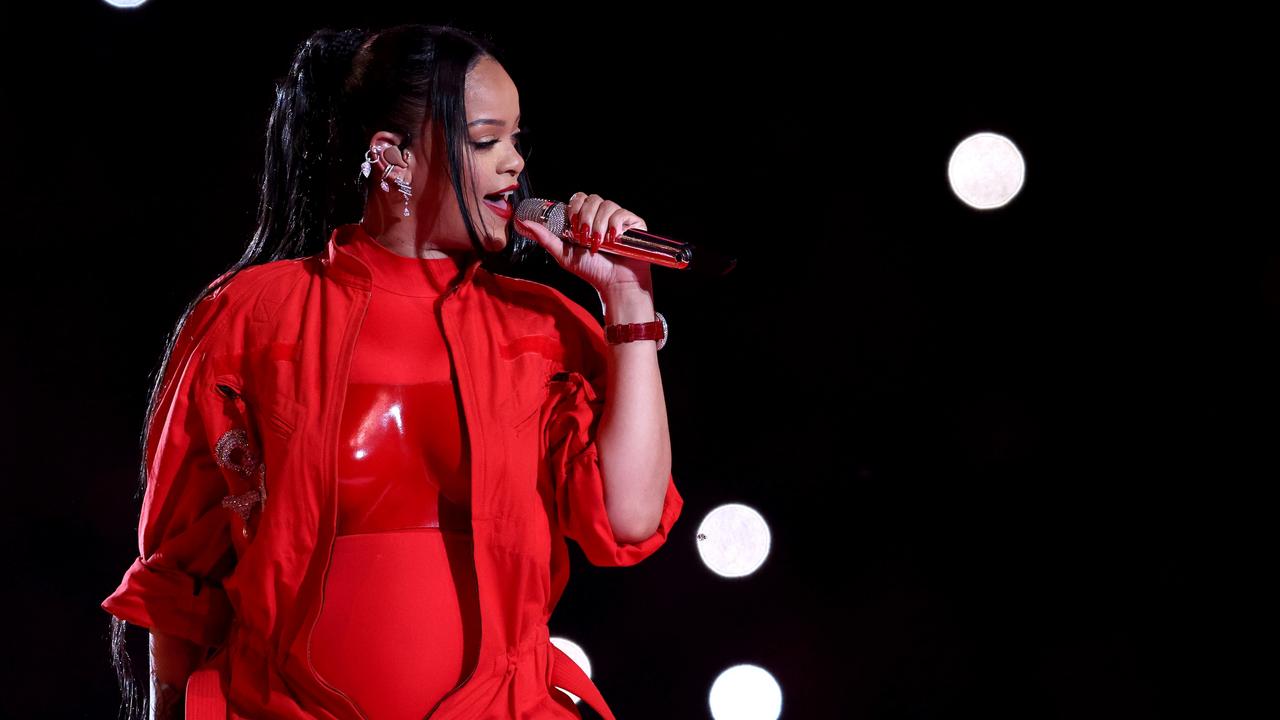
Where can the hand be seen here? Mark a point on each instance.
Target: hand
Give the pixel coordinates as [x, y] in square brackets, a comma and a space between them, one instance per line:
[604, 219]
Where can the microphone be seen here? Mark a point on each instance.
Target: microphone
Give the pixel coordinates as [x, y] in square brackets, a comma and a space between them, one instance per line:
[633, 243]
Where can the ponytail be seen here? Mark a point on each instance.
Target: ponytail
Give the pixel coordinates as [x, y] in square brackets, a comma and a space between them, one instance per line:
[303, 198]
[308, 185]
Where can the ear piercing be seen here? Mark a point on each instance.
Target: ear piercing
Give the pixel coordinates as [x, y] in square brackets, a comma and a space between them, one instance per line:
[391, 156]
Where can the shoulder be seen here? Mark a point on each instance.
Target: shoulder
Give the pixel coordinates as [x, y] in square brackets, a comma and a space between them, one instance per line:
[236, 296]
[242, 290]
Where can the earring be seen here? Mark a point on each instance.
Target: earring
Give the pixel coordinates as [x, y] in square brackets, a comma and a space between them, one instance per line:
[404, 187]
[375, 155]
[406, 191]
[372, 156]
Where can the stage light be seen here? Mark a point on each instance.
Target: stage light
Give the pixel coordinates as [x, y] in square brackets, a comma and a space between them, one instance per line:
[733, 540]
[745, 692]
[125, 4]
[576, 653]
[986, 170]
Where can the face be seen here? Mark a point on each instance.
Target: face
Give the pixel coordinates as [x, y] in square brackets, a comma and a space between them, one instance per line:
[493, 164]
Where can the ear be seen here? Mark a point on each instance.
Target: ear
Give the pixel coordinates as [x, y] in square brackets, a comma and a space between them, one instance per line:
[382, 137]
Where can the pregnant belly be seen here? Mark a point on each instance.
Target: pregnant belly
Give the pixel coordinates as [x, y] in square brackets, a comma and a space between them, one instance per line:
[399, 627]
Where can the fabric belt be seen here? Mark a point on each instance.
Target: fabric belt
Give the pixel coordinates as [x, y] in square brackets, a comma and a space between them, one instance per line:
[205, 700]
[566, 674]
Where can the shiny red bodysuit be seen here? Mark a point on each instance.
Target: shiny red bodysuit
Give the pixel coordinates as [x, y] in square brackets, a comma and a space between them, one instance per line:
[399, 625]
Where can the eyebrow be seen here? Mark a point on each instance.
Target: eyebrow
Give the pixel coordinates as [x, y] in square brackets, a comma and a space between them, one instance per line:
[490, 121]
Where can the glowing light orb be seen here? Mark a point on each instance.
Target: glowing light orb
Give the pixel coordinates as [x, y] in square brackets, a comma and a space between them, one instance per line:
[733, 540]
[986, 170]
[745, 692]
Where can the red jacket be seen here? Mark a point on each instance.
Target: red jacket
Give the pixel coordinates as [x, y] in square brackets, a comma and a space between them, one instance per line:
[240, 511]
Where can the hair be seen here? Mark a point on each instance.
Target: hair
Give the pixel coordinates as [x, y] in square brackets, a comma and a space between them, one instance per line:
[343, 86]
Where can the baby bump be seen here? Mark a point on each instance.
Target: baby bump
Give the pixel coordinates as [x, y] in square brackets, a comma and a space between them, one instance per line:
[399, 624]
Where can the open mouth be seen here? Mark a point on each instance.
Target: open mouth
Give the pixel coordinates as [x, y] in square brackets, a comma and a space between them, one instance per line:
[500, 203]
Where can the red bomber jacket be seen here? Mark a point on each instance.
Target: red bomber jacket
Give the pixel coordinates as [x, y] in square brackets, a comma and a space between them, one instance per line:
[240, 510]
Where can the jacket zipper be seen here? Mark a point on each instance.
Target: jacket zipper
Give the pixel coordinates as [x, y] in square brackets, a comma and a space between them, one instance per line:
[474, 572]
[348, 346]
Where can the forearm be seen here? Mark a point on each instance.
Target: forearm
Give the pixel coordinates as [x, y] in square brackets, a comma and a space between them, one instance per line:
[173, 659]
[634, 441]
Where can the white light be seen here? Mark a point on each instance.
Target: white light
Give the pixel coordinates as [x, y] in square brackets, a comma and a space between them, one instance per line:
[125, 3]
[745, 692]
[733, 540]
[986, 170]
[575, 653]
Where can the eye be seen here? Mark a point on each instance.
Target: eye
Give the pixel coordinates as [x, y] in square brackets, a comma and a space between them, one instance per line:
[515, 140]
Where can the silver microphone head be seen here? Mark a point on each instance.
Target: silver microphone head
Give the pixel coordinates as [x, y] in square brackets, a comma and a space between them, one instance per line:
[548, 213]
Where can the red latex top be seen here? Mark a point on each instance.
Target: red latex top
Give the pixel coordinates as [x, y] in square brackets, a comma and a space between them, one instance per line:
[403, 461]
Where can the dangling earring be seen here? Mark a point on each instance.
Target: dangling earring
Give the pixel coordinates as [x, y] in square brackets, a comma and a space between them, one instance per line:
[406, 191]
[405, 188]
[372, 156]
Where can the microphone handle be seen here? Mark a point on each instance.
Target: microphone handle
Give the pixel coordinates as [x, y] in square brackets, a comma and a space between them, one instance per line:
[642, 245]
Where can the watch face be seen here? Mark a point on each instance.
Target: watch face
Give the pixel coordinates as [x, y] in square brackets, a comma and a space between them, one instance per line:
[663, 341]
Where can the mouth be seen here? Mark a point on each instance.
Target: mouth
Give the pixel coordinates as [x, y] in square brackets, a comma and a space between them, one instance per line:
[500, 203]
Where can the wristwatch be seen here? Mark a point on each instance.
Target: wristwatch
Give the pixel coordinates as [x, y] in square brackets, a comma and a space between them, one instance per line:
[656, 330]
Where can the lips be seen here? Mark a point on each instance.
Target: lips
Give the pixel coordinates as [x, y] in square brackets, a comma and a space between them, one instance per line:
[500, 207]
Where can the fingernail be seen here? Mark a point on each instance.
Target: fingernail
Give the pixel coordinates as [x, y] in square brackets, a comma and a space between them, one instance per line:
[608, 237]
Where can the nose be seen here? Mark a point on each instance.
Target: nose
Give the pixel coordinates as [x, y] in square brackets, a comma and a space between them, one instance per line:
[512, 163]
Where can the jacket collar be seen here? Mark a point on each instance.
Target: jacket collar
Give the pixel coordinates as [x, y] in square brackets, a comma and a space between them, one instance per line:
[348, 269]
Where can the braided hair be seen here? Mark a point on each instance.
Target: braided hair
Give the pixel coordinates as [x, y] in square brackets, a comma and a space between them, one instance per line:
[341, 87]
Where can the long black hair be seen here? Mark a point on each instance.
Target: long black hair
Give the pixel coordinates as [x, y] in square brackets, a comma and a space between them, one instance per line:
[343, 86]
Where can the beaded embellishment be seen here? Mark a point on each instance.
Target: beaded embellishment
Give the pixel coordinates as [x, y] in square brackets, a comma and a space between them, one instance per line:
[234, 453]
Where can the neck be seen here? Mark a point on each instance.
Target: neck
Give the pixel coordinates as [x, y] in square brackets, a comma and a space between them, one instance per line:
[400, 235]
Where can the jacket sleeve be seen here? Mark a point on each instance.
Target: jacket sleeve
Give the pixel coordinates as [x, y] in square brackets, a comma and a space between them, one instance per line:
[577, 404]
[184, 542]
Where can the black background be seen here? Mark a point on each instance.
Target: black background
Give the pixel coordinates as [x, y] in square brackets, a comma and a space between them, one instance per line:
[1013, 461]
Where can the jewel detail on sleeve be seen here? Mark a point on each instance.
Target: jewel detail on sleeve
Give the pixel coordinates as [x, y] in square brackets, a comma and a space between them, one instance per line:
[234, 453]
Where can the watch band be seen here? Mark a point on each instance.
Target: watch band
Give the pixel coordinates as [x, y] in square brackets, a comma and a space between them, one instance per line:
[629, 332]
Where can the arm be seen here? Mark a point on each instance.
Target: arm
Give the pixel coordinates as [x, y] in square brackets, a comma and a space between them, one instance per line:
[173, 659]
[634, 440]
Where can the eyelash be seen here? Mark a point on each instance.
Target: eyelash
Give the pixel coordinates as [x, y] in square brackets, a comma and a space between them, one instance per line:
[490, 143]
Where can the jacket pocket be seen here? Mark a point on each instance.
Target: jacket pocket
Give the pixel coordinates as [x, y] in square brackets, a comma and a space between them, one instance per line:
[524, 405]
[283, 415]
[277, 413]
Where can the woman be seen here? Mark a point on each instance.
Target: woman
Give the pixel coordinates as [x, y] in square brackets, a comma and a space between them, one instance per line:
[366, 449]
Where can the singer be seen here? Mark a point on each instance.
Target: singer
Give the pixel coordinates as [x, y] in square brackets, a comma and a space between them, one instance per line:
[366, 446]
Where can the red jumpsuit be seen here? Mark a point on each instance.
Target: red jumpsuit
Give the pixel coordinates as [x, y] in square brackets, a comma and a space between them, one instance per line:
[244, 538]
[400, 622]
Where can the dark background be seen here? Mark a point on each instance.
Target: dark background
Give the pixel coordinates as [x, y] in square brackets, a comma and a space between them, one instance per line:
[1013, 461]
